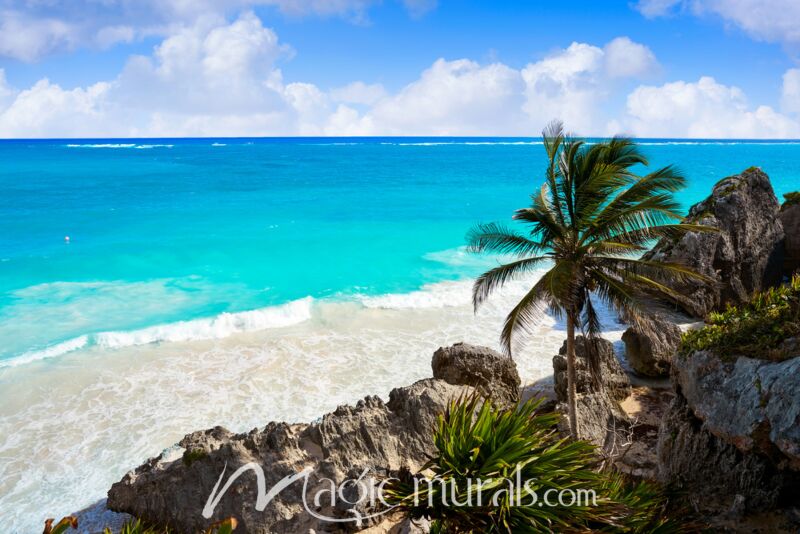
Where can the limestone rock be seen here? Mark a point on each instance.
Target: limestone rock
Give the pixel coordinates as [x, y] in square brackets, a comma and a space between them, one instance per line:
[373, 435]
[612, 376]
[649, 348]
[745, 255]
[752, 404]
[493, 374]
[600, 418]
[790, 219]
[714, 473]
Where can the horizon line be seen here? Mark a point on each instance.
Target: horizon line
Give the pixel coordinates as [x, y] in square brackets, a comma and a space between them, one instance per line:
[367, 137]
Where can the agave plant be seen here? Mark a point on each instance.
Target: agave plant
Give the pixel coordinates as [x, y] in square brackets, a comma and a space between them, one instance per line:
[518, 458]
[590, 221]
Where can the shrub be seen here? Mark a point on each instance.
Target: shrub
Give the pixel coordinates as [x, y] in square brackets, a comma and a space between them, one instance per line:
[755, 329]
[790, 199]
[475, 441]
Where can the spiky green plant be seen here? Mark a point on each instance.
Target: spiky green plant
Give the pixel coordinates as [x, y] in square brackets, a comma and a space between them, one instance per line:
[591, 220]
[755, 329]
[519, 448]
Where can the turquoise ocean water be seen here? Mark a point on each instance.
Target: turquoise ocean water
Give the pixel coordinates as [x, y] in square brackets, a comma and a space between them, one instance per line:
[237, 281]
[175, 239]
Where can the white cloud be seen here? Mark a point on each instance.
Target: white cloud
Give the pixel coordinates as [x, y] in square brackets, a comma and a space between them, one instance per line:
[457, 97]
[626, 59]
[702, 109]
[790, 93]
[359, 93]
[766, 20]
[573, 83]
[47, 110]
[28, 38]
[31, 29]
[218, 78]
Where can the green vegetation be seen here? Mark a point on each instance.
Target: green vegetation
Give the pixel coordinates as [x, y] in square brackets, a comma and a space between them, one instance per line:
[475, 441]
[591, 219]
[191, 456]
[791, 199]
[226, 526]
[755, 329]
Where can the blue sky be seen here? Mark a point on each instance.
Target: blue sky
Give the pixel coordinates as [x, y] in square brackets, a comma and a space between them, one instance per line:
[677, 68]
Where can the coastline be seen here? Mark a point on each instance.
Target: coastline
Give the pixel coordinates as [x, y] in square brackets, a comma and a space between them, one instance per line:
[121, 405]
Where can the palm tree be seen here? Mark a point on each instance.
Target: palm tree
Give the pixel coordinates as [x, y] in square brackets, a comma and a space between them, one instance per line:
[591, 220]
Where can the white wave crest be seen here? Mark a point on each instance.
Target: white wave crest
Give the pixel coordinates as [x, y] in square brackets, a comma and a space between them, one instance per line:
[116, 145]
[49, 352]
[467, 143]
[439, 295]
[218, 327]
[221, 326]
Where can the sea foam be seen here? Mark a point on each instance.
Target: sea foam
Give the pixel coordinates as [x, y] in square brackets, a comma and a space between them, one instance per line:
[217, 327]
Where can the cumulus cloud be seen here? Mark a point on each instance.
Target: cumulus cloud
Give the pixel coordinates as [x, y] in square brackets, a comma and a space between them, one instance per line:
[28, 38]
[359, 93]
[790, 93]
[452, 98]
[702, 109]
[766, 20]
[30, 30]
[626, 59]
[572, 83]
[218, 78]
[47, 110]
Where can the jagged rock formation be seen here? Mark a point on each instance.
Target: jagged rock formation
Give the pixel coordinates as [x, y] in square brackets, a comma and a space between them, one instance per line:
[752, 404]
[790, 219]
[600, 418]
[493, 374]
[378, 437]
[745, 255]
[650, 347]
[715, 474]
[732, 435]
[381, 437]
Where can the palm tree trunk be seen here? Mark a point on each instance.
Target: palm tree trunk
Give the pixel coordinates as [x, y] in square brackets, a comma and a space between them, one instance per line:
[571, 395]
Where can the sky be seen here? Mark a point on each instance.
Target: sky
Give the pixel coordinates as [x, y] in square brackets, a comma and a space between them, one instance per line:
[212, 68]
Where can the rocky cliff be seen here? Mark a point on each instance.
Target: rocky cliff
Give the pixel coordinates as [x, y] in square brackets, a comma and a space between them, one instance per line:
[373, 436]
[744, 255]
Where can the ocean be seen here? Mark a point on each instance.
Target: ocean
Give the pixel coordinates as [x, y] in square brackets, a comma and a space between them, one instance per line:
[149, 288]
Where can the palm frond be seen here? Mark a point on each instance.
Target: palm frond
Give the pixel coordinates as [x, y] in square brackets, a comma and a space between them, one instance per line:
[495, 278]
[499, 239]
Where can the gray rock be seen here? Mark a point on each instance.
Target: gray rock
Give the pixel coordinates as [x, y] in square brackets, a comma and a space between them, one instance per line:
[373, 435]
[715, 474]
[790, 219]
[746, 254]
[649, 348]
[415, 526]
[600, 419]
[493, 374]
[752, 404]
[612, 376]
